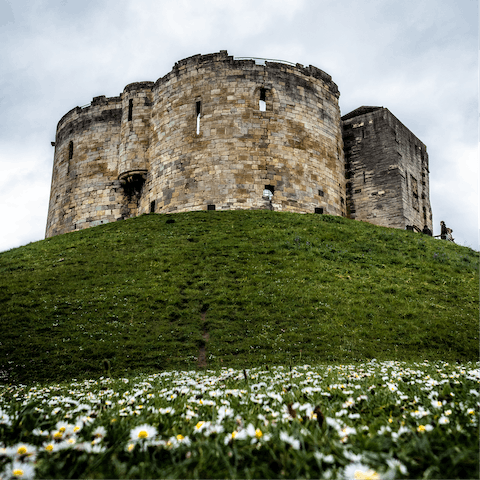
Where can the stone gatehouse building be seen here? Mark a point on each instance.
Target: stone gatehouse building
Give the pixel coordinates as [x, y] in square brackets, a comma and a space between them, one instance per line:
[219, 133]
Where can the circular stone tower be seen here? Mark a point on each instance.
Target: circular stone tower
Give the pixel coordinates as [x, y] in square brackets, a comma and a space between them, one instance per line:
[214, 133]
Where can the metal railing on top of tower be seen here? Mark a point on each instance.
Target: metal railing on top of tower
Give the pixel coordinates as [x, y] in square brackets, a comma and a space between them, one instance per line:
[261, 61]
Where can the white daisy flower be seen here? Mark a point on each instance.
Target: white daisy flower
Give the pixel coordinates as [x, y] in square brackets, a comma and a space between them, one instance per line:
[89, 448]
[358, 471]
[19, 470]
[142, 432]
[395, 466]
[293, 442]
[21, 450]
[443, 420]
[99, 432]
[174, 442]
[324, 458]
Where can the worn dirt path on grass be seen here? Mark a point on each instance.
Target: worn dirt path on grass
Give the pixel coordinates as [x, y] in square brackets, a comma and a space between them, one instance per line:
[202, 351]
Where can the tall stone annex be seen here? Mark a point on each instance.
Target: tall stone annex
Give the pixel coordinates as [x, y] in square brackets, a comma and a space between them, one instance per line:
[220, 133]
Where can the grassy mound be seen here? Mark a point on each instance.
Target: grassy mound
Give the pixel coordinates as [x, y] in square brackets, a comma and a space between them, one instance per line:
[247, 288]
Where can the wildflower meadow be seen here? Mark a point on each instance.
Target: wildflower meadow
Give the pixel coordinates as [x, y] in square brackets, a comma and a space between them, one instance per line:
[373, 420]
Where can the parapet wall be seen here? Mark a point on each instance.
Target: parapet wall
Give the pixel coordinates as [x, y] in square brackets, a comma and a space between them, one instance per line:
[215, 132]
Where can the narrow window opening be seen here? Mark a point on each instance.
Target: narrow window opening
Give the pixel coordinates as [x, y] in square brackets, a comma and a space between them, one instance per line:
[70, 150]
[262, 103]
[198, 113]
[268, 192]
[320, 192]
[130, 110]
[364, 178]
[210, 207]
[319, 210]
[152, 206]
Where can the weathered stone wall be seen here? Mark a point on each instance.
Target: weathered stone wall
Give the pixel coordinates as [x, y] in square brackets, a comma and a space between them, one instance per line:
[85, 187]
[295, 146]
[386, 169]
[140, 152]
[136, 128]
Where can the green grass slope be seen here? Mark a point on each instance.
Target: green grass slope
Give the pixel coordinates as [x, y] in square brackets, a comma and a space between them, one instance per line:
[251, 287]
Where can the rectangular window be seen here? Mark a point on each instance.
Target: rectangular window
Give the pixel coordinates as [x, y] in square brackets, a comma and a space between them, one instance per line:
[210, 207]
[152, 207]
[319, 210]
[70, 150]
[130, 110]
[268, 192]
[320, 192]
[198, 108]
[262, 103]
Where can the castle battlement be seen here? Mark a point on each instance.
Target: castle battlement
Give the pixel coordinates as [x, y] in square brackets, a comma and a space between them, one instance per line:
[214, 133]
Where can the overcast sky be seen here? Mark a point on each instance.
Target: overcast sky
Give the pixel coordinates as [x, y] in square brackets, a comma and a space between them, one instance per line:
[418, 58]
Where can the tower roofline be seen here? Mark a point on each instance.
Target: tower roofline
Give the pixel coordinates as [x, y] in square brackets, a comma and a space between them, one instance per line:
[360, 111]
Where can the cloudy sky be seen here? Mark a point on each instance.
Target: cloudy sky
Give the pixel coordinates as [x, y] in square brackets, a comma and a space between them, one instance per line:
[418, 58]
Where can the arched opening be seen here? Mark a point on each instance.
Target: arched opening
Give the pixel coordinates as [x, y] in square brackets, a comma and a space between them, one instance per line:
[132, 185]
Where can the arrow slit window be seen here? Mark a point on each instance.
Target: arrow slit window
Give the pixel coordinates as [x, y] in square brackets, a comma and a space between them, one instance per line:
[130, 110]
[198, 109]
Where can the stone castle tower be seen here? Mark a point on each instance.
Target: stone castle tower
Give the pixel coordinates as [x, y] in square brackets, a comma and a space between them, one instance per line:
[386, 167]
[219, 133]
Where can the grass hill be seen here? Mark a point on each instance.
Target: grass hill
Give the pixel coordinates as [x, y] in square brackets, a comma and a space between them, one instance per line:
[233, 289]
